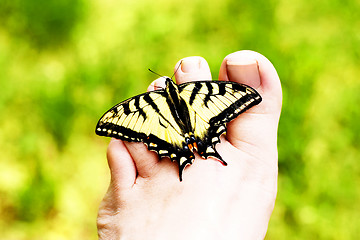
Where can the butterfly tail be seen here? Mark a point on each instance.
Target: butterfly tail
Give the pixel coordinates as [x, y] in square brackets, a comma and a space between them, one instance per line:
[207, 151]
[186, 158]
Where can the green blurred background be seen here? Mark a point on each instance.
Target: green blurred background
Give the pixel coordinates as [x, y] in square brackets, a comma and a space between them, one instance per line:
[64, 62]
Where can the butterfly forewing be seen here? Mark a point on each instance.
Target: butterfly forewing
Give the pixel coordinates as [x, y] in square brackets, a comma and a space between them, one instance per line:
[144, 118]
[215, 104]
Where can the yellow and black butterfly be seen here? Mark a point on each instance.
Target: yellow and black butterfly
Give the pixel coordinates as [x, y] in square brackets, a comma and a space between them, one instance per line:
[179, 119]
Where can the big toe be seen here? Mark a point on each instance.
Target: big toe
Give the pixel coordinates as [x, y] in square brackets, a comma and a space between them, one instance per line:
[256, 128]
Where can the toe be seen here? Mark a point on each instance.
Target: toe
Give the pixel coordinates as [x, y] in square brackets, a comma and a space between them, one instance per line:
[146, 161]
[257, 128]
[192, 69]
[122, 167]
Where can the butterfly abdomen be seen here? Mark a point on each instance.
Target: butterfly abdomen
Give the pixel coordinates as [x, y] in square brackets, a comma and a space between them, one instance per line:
[178, 107]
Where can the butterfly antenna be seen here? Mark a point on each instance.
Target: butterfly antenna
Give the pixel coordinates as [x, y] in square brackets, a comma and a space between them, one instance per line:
[155, 73]
[177, 69]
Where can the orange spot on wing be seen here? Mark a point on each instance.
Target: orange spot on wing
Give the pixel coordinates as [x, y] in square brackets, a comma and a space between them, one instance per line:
[195, 146]
[191, 147]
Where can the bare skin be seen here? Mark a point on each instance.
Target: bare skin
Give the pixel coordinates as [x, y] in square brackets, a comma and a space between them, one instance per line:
[146, 200]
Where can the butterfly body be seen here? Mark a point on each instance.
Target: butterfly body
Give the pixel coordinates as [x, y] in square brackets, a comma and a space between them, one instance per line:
[180, 119]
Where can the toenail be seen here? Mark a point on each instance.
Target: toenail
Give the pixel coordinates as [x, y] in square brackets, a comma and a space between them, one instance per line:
[244, 71]
[190, 65]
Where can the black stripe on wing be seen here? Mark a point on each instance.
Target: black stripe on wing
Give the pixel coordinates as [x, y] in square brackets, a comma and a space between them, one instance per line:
[195, 91]
[153, 143]
[235, 109]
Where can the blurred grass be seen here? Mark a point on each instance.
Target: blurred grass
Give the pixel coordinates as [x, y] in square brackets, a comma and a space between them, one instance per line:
[62, 63]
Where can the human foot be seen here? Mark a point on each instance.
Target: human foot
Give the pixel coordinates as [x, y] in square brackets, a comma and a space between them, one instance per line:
[145, 199]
